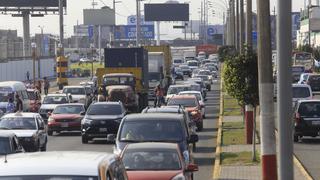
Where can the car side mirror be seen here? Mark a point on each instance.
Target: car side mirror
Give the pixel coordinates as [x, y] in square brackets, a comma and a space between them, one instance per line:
[111, 137]
[193, 138]
[41, 127]
[49, 113]
[82, 113]
[202, 106]
[192, 168]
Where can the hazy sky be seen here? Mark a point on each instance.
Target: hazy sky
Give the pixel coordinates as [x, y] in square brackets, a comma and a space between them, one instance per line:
[123, 9]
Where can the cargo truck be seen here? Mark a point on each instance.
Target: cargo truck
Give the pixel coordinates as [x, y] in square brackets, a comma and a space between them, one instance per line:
[207, 48]
[126, 76]
[166, 79]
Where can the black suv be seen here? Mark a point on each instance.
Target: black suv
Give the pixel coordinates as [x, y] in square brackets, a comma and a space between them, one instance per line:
[101, 119]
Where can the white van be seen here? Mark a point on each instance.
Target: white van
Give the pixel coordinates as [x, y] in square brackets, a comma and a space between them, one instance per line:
[9, 89]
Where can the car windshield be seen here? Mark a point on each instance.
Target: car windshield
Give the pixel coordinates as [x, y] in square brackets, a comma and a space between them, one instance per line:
[191, 63]
[68, 109]
[186, 102]
[204, 78]
[4, 146]
[198, 96]
[176, 90]
[309, 109]
[314, 78]
[154, 159]
[4, 95]
[18, 123]
[300, 92]
[74, 91]
[152, 130]
[184, 67]
[48, 177]
[119, 80]
[104, 109]
[204, 73]
[177, 61]
[55, 100]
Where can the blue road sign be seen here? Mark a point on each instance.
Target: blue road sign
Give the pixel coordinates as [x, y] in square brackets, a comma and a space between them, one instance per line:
[254, 36]
[210, 31]
[129, 32]
[90, 31]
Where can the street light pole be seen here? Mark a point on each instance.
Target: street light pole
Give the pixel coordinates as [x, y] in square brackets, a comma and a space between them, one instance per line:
[249, 24]
[138, 23]
[40, 54]
[34, 56]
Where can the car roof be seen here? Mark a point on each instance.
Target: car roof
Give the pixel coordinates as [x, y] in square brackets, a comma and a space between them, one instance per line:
[73, 87]
[58, 94]
[309, 100]
[71, 104]
[300, 85]
[154, 116]
[118, 74]
[55, 163]
[108, 103]
[183, 96]
[189, 92]
[179, 85]
[10, 115]
[165, 109]
[152, 145]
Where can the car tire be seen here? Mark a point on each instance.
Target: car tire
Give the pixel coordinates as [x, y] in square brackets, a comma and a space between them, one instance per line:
[204, 116]
[44, 147]
[295, 138]
[50, 133]
[85, 140]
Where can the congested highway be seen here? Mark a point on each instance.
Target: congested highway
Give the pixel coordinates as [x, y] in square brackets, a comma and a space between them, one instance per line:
[203, 156]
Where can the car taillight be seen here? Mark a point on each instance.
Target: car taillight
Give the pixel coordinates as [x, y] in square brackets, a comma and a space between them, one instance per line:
[297, 118]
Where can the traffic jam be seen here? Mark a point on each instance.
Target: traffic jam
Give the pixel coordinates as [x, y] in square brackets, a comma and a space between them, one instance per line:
[151, 109]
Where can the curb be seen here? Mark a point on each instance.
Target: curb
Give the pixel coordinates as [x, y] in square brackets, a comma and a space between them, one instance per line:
[217, 166]
[302, 169]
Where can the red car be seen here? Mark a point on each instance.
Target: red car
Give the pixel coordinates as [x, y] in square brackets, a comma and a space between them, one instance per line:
[66, 117]
[156, 161]
[35, 100]
[191, 104]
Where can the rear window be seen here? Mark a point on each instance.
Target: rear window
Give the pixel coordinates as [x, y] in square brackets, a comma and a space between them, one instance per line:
[104, 109]
[75, 91]
[192, 64]
[177, 61]
[314, 78]
[186, 102]
[300, 92]
[309, 109]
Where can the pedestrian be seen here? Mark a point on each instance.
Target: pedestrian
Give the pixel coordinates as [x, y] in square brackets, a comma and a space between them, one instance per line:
[19, 105]
[46, 85]
[39, 86]
[10, 108]
[28, 76]
[158, 91]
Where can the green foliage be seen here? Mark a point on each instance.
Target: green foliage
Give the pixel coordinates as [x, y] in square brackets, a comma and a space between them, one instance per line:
[240, 74]
[226, 51]
[305, 48]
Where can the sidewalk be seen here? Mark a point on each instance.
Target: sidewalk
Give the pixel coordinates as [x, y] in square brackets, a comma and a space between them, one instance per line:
[235, 156]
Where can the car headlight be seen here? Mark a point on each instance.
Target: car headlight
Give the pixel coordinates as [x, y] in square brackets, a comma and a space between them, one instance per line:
[179, 177]
[50, 119]
[116, 150]
[186, 156]
[86, 121]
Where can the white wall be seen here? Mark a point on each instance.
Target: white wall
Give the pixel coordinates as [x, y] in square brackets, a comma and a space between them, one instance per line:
[17, 70]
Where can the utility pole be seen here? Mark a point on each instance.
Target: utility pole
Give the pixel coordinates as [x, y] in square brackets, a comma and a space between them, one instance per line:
[267, 127]
[285, 124]
[249, 24]
[232, 21]
[34, 56]
[201, 21]
[241, 36]
[138, 23]
[61, 27]
[237, 25]
[275, 26]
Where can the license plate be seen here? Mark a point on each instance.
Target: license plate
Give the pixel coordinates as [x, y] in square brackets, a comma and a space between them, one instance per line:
[315, 122]
[64, 125]
[103, 129]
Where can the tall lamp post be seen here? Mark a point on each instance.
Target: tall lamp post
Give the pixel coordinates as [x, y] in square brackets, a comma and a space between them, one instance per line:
[92, 60]
[41, 50]
[34, 46]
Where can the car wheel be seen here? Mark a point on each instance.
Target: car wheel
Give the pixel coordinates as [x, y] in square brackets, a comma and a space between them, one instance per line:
[295, 138]
[50, 133]
[204, 116]
[44, 147]
[84, 140]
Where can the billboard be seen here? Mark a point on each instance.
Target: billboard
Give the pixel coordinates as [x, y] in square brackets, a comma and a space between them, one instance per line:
[31, 3]
[166, 12]
[132, 20]
[129, 32]
[104, 16]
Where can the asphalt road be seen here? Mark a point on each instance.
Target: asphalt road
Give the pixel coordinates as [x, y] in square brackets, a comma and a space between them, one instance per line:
[308, 152]
[203, 156]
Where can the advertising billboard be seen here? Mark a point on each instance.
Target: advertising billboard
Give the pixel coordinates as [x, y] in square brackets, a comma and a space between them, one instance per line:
[129, 32]
[31, 3]
[99, 16]
[166, 12]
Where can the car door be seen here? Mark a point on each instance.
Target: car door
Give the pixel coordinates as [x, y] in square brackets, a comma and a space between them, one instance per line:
[41, 130]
